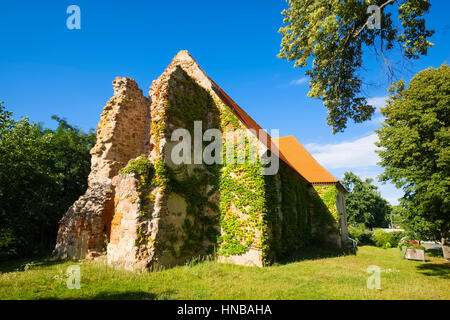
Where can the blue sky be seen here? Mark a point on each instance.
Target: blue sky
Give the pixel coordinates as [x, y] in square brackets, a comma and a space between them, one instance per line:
[47, 69]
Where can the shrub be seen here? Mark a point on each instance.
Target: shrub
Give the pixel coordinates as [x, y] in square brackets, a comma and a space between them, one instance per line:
[395, 237]
[380, 238]
[362, 234]
[387, 239]
[7, 244]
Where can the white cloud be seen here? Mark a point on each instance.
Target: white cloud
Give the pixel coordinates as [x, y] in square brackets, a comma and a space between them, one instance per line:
[377, 120]
[377, 102]
[358, 156]
[298, 82]
[355, 154]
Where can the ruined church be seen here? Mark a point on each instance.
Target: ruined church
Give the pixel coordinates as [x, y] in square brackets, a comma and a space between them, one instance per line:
[142, 210]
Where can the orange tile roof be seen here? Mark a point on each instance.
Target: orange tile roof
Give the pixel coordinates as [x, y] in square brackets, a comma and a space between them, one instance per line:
[302, 161]
[246, 119]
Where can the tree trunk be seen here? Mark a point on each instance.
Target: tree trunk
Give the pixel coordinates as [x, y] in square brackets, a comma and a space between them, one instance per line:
[446, 248]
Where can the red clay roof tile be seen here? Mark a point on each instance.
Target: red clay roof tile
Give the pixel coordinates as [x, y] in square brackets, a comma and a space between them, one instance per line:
[302, 161]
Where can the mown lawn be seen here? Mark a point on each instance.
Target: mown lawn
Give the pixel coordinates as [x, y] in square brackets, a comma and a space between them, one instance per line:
[318, 274]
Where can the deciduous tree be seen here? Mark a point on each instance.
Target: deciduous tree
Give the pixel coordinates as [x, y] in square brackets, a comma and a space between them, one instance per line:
[415, 149]
[364, 204]
[332, 34]
[42, 172]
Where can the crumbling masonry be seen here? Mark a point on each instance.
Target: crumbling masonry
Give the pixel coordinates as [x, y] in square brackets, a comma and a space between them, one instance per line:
[142, 210]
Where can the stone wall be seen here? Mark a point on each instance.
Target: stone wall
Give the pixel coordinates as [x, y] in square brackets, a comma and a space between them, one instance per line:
[123, 131]
[343, 226]
[122, 134]
[333, 196]
[298, 216]
[122, 249]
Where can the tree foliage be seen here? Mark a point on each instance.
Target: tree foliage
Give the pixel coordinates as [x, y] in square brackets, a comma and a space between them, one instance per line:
[333, 33]
[42, 172]
[364, 204]
[415, 141]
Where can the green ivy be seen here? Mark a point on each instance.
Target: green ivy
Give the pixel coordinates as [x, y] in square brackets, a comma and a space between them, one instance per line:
[328, 194]
[241, 187]
[144, 171]
[248, 214]
[188, 102]
[185, 103]
[197, 226]
[323, 221]
[293, 231]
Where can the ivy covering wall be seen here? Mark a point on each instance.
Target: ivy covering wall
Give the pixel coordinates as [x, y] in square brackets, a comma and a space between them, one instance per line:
[298, 215]
[231, 208]
[289, 218]
[328, 194]
[324, 220]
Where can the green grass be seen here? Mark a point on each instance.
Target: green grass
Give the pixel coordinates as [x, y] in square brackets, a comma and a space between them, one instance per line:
[315, 274]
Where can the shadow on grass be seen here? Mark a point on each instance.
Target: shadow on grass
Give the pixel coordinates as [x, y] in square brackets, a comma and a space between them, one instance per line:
[314, 253]
[132, 295]
[27, 263]
[435, 253]
[441, 270]
[127, 295]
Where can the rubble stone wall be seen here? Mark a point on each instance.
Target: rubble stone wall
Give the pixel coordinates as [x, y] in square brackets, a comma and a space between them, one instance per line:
[122, 134]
